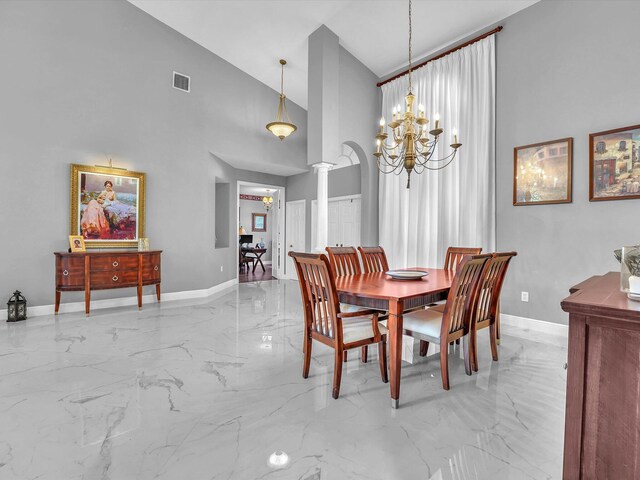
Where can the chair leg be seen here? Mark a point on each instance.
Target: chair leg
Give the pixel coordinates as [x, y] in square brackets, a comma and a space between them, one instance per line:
[458, 341]
[344, 356]
[424, 346]
[498, 325]
[492, 340]
[337, 373]
[382, 357]
[307, 356]
[444, 365]
[468, 355]
[473, 346]
[364, 354]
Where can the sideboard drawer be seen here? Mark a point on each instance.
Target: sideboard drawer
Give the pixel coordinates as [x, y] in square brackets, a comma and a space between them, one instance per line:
[70, 271]
[113, 263]
[114, 279]
[151, 267]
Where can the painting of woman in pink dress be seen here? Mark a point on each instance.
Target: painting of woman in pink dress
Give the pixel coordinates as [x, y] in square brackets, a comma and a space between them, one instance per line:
[106, 214]
[107, 205]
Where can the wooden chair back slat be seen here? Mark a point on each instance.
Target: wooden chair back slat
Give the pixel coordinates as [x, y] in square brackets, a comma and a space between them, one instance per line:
[344, 261]
[456, 254]
[319, 294]
[373, 259]
[491, 286]
[463, 294]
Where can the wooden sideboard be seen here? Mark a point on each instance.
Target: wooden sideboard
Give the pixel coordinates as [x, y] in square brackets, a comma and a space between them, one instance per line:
[602, 419]
[105, 270]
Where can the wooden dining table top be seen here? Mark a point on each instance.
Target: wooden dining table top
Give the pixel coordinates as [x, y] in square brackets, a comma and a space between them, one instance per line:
[382, 286]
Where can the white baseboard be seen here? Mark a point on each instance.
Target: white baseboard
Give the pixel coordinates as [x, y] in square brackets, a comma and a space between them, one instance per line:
[40, 310]
[268, 262]
[534, 325]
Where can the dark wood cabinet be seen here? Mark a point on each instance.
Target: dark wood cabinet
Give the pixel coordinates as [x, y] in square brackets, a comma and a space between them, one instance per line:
[602, 420]
[105, 270]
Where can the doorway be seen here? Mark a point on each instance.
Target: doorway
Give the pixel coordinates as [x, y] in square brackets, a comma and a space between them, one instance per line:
[260, 226]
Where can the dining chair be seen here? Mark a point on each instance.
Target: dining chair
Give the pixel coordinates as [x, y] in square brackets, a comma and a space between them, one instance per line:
[455, 254]
[325, 322]
[454, 322]
[373, 259]
[487, 312]
[344, 261]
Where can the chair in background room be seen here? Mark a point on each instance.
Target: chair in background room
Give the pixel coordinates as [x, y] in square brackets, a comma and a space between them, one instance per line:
[373, 259]
[454, 322]
[325, 322]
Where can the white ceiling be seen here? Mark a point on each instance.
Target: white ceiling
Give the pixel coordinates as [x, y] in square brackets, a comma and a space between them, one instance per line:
[254, 34]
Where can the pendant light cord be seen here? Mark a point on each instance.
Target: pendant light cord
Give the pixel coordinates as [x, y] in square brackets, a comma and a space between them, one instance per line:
[410, 45]
[282, 80]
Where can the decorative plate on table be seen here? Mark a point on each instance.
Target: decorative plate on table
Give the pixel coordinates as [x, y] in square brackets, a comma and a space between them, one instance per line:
[407, 274]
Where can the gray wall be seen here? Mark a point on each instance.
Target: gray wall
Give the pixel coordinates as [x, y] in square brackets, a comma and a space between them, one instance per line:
[565, 69]
[94, 78]
[342, 182]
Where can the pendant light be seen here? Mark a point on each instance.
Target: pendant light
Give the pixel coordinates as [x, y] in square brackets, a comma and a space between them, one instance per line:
[282, 127]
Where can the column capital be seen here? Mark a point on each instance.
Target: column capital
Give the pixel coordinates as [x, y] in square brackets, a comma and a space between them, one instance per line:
[323, 166]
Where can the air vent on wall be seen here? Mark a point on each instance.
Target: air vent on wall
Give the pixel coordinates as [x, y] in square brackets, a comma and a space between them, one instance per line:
[181, 82]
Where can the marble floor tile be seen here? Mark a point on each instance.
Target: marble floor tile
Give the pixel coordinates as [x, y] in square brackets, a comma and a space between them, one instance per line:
[210, 389]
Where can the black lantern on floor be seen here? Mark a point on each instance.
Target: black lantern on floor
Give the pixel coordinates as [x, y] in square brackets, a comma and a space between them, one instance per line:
[16, 308]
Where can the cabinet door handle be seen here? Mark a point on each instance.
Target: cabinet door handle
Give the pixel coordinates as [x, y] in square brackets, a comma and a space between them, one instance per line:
[114, 278]
[156, 268]
[65, 273]
[115, 264]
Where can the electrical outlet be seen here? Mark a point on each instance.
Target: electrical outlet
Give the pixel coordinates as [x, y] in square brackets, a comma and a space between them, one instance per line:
[524, 296]
[221, 268]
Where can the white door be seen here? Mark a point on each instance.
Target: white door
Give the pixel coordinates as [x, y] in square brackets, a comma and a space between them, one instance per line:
[295, 228]
[333, 235]
[349, 222]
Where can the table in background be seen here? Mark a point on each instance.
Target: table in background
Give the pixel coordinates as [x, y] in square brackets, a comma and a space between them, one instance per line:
[377, 290]
[257, 253]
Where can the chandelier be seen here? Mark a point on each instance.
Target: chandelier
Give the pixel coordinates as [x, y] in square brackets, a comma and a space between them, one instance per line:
[412, 148]
[267, 201]
[282, 127]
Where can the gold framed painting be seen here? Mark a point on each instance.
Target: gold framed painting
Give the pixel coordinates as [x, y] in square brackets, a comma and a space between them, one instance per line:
[107, 206]
[542, 173]
[614, 164]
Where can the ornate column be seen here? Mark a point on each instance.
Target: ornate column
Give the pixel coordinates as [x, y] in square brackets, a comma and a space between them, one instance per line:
[322, 217]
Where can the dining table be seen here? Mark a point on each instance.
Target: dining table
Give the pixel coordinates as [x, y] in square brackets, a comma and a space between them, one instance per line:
[379, 291]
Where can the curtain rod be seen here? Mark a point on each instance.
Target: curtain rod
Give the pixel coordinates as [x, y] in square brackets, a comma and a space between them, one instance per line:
[451, 50]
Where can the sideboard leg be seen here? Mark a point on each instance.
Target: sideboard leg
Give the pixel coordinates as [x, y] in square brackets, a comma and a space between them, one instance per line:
[87, 300]
[139, 296]
[158, 291]
[57, 301]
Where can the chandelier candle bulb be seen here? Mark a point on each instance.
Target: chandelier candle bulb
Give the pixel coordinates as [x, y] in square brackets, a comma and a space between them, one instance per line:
[455, 136]
[437, 119]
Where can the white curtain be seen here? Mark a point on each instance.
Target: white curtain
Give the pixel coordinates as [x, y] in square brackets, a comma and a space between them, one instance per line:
[454, 206]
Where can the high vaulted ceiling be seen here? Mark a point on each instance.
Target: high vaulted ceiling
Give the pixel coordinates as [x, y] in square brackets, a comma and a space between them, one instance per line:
[254, 34]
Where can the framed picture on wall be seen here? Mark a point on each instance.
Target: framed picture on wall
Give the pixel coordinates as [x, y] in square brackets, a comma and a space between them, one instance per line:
[614, 164]
[542, 173]
[107, 206]
[259, 222]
